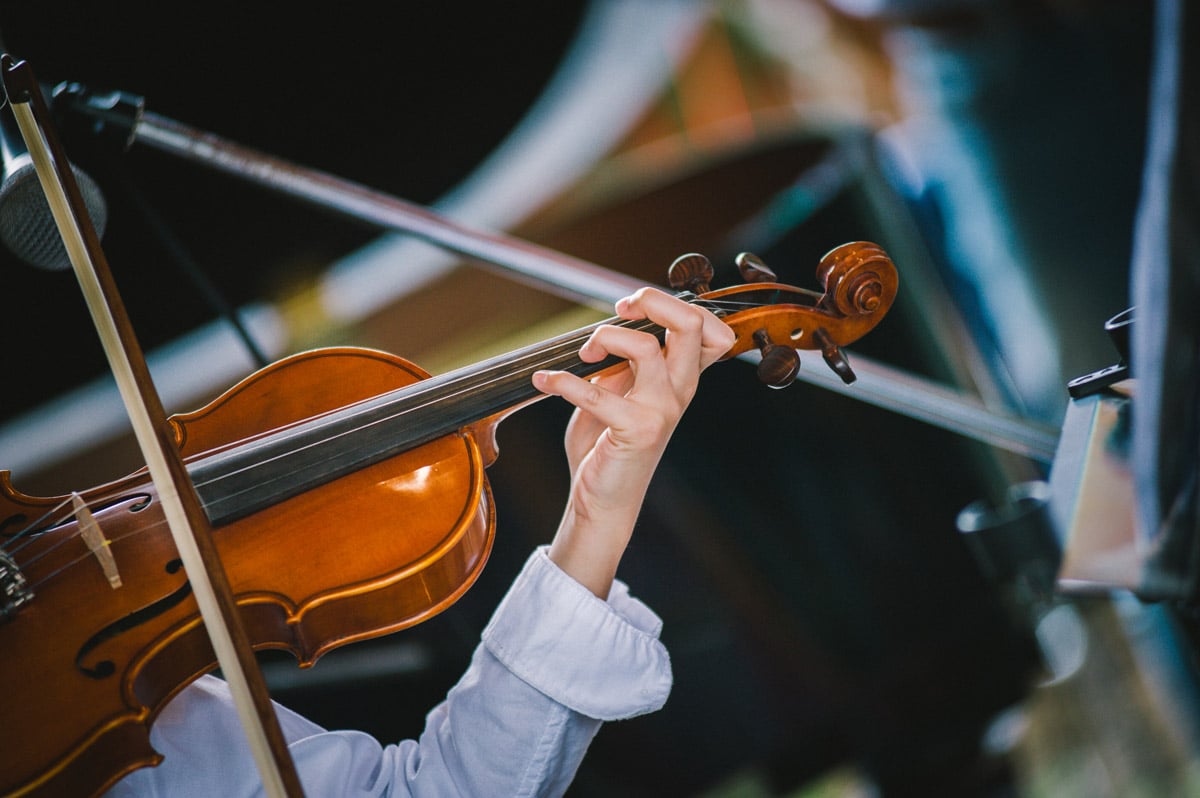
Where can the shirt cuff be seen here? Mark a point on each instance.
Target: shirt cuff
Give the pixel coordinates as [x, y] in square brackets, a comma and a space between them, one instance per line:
[601, 659]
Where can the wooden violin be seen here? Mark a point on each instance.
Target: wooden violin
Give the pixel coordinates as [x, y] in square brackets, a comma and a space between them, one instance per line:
[348, 496]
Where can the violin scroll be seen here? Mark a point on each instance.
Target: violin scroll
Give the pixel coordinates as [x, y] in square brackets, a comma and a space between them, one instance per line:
[854, 277]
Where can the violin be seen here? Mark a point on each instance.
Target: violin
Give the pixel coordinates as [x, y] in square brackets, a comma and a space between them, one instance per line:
[348, 497]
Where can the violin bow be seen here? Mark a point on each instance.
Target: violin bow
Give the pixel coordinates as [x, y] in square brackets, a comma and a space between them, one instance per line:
[185, 516]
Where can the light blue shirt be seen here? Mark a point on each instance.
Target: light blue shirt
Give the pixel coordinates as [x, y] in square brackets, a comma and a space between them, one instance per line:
[554, 662]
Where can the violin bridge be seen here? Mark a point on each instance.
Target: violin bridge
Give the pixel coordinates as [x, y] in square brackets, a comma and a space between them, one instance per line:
[100, 546]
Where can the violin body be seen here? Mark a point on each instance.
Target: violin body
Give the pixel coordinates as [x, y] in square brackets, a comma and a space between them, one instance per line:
[369, 553]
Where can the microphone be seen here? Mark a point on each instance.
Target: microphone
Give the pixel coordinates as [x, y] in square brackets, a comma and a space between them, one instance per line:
[27, 226]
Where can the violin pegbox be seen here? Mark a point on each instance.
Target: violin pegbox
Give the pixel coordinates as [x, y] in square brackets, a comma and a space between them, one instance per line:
[859, 283]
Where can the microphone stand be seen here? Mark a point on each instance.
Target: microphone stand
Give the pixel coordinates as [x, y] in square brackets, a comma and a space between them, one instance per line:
[573, 278]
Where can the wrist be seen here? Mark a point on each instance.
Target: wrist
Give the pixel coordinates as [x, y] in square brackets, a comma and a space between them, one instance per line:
[590, 549]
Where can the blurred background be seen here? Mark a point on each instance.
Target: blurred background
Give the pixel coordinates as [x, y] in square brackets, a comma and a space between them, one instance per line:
[834, 628]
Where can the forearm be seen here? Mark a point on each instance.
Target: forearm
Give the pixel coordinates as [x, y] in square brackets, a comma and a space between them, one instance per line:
[589, 549]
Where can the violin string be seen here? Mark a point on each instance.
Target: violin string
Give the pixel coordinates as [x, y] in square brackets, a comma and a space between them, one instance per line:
[421, 388]
[87, 555]
[83, 557]
[420, 396]
[418, 399]
[580, 336]
[468, 383]
[546, 358]
[43, 523]
[58, 543]
[26, 535]
[328, 438]
[61, 541]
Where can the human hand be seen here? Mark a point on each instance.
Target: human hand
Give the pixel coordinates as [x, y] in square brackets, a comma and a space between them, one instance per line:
[622, 423]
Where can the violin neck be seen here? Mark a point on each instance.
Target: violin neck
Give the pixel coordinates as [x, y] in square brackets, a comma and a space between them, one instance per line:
[254, 475]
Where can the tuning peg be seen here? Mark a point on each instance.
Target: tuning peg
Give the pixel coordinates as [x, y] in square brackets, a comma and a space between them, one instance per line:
[834, 356]
[779, 365]
[692, 272]
[753, 270]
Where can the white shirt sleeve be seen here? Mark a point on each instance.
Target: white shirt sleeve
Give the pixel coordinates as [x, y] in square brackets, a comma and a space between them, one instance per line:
[554, 662]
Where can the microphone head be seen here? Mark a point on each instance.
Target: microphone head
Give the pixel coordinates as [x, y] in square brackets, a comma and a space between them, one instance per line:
[27, 226]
